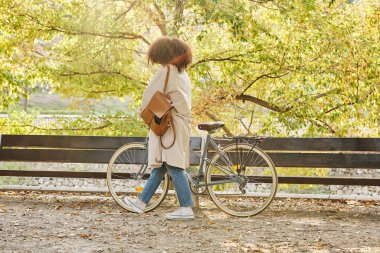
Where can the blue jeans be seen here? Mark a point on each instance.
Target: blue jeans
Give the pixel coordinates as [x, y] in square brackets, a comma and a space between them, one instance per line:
[180, 182]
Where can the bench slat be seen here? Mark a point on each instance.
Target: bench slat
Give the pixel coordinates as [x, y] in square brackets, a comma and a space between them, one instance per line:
[326, 160]
[106, 142]
[321, 160]
[283, 159]
[63, 155]
[76, 142]
[319, 144]
[315, 160]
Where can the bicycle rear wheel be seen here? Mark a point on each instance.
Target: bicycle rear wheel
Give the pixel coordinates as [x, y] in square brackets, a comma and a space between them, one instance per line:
[242, 190]
[126, 176]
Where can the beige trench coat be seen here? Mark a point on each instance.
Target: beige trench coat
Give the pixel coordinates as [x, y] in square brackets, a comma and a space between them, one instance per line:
[179, 90]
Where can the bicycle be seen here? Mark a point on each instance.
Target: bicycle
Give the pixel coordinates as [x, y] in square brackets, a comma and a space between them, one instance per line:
[240, 178]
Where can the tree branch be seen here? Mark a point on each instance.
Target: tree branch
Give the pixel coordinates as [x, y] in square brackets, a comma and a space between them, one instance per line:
[326, 93]
[117, 35]
[214, 118]
[127, 10]
[178, 16]
[260, 77]
[246, 128]
[263, 103]
[322, 123]
[101, 91]
[73, 73]
[261, 1]
[159, 19]
[229, 58]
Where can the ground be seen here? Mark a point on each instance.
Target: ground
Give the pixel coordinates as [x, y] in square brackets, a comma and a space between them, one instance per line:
[63, 222]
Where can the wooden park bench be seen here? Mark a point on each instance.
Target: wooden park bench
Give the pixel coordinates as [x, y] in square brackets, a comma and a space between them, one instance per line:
[349, 153]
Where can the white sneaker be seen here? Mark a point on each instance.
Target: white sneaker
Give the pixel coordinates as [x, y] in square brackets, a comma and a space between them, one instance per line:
[135, 204]
[183, 213]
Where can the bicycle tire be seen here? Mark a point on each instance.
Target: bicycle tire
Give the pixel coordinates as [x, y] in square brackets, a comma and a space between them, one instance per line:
[258, 193]
[122, 171]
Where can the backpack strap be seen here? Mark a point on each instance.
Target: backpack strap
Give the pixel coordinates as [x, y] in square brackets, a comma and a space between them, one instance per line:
[171, 117]
[173, 138]
[166, 79]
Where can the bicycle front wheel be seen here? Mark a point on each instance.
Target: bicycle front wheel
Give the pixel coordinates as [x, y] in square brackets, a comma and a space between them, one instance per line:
[127, 175]
[243, 180]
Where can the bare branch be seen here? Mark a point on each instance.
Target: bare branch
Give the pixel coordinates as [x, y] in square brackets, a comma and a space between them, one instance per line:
[127, 10]
[251, 120]
[119, 35]
[214, 118]
[261, 1]
[263, 103]
[331, 3]
[262, 76]
[73, 73]
[178, 17]
[326, 93]
[246, 128]
[101, 91]
[322, 123]
[275, 108]
[116, 35]
[229, 58]
[159, 19]
[162, 19]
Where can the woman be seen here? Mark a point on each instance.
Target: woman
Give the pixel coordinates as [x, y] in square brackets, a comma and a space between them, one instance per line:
[174, 55]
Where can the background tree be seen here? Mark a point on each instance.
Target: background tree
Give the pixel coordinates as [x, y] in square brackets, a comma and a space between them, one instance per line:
[301, 67]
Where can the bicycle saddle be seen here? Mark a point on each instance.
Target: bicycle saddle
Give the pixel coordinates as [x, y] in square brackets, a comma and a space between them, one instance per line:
[209, 126]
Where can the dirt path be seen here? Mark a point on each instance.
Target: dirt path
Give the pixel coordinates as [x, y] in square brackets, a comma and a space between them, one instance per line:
[36, 222]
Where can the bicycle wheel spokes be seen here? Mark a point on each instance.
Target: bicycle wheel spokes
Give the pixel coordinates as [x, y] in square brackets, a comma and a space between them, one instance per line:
[251, 184]
[127, 175]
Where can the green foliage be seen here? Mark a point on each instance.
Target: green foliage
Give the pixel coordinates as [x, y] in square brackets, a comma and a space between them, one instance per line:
[301, 67]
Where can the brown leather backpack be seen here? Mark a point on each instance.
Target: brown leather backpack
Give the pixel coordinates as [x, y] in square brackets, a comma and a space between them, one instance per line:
[157, 114]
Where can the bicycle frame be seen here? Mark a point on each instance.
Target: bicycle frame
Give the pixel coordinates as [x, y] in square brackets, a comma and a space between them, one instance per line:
[144, 165]
[204, 159]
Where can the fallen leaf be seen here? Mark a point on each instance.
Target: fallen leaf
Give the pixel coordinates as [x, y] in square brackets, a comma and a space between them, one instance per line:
[58, 207]
[85, 236]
